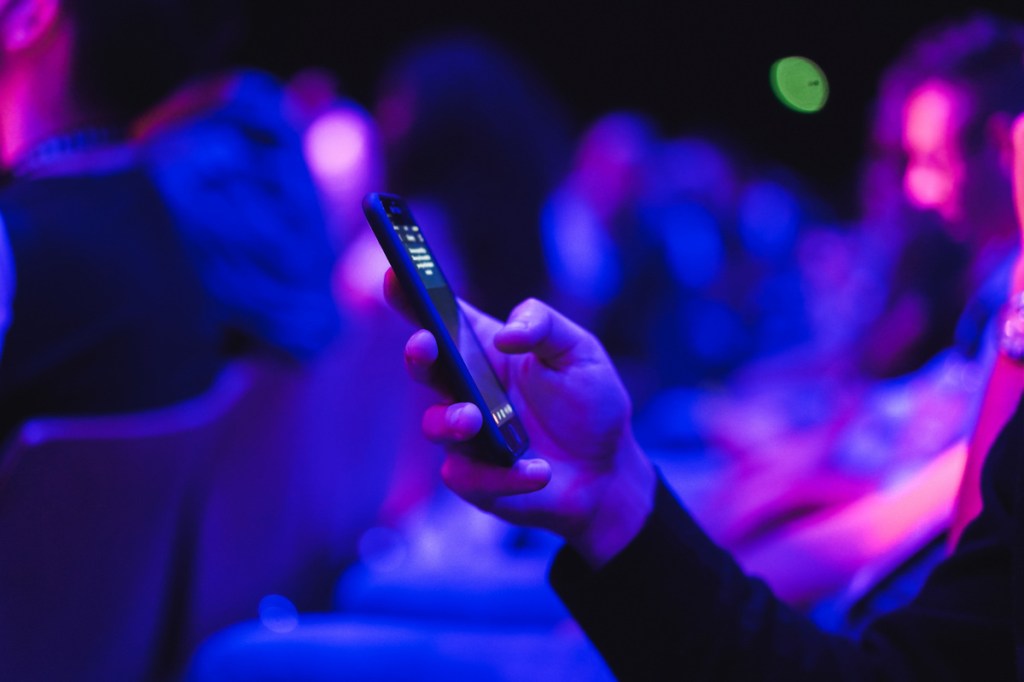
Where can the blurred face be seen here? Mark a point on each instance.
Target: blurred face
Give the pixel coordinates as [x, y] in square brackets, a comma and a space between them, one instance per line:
[963, 180]
[936, 170]
[610, 162]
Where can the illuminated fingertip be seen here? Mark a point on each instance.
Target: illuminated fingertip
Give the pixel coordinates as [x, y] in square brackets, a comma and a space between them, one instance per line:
[421, 347]
[422, 337]
[536, 469]
[464, 420]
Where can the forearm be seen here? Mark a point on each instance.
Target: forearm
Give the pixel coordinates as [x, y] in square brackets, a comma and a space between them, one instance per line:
[672, 605]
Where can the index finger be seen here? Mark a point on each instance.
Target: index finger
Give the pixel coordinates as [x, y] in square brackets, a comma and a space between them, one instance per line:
[484, 484]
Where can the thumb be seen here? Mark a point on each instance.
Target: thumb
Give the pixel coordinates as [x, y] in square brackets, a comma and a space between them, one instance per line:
[534, 327]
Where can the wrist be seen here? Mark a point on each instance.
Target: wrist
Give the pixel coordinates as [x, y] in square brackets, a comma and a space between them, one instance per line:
[624, 501]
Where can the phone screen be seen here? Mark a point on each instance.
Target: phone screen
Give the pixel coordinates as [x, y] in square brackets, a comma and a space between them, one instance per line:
[454, 319]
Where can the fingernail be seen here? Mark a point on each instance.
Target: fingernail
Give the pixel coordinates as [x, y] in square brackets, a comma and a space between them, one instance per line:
[535, 468]
[455, 420]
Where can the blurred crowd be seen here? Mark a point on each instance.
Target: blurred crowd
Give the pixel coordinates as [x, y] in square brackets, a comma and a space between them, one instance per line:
[809, 382]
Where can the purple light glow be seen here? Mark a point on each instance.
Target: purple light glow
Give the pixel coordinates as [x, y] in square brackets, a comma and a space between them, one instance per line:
[337, 144]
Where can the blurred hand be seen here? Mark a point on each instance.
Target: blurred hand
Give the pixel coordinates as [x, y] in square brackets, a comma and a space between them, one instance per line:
[583, 477]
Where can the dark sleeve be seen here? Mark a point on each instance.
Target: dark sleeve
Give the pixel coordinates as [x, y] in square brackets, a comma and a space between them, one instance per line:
[673, 605]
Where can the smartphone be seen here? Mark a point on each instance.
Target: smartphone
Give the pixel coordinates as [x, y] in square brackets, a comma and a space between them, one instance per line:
[465, 368]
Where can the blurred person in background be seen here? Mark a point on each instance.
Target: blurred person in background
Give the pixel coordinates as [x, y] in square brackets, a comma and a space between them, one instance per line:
[653, 593]
[679, 253]
[936, 186]
[605, 265]
[842, 463]
[943, 129]
[853, 356]
[729, 228]
[342, 145]
[590, 218]
[162, 225]
[160, 247]
[890, 436]
[474, 138]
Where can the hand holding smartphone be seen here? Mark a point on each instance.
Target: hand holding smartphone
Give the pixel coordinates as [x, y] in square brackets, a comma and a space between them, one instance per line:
[466, 371]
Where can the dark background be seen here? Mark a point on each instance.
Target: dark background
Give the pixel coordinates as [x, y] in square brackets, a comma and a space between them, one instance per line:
[692, 66]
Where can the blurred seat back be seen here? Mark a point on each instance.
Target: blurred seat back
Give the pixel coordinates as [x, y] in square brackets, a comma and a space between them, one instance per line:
[93, 530]
[127, 540]
[304, 465]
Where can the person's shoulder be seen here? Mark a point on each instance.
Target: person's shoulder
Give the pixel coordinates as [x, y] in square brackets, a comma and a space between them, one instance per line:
[68, 186]
[28, 203]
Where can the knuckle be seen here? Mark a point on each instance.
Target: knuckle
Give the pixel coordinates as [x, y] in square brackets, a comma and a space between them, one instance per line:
[528, 307]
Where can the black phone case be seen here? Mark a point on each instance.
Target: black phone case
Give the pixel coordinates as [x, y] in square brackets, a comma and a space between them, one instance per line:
[498, 445]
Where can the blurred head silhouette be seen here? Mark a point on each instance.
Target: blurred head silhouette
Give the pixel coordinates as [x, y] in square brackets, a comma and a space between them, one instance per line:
[938, 186]
[70, 64]
[941, 134]
[469, 129]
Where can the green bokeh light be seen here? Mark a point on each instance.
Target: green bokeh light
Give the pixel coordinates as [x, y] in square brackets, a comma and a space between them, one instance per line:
[800, 84]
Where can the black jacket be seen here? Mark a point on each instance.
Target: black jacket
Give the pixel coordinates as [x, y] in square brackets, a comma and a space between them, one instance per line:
[109, 311]
[672, 605]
